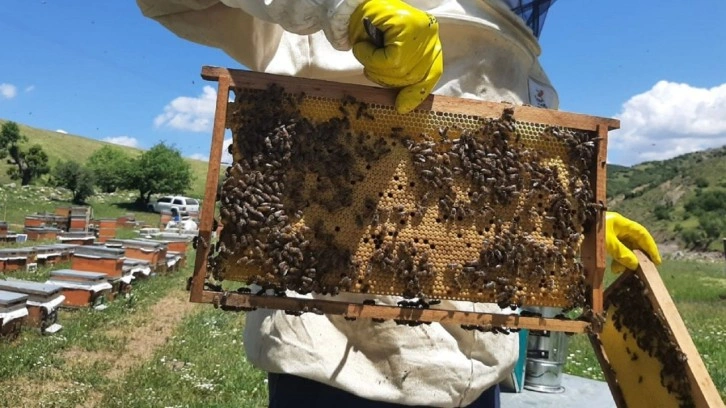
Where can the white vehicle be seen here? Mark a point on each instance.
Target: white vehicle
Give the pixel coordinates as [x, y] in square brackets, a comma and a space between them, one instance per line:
[181, 203]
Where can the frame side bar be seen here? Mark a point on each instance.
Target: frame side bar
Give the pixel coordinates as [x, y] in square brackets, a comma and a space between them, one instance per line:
[210, 192]
[594, 244]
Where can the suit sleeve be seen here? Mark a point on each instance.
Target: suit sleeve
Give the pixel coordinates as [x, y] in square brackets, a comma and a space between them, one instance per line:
[296, 16]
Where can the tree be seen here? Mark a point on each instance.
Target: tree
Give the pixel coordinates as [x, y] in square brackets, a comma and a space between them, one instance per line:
[29, 164]
[108, 165]
[159, 170]
[74, 177]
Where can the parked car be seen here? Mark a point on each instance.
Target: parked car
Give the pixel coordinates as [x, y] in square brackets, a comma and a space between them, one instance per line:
[181, 203]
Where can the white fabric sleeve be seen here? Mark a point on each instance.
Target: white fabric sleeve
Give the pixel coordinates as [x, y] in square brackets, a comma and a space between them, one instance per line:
[305, 16]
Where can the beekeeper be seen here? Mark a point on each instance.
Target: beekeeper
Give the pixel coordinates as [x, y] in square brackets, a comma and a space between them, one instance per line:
[478, 49]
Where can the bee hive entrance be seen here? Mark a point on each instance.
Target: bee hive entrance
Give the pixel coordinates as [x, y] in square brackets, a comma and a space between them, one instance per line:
[335, 192]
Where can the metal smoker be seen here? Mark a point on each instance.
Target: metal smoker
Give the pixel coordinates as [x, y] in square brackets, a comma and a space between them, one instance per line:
[546, 356]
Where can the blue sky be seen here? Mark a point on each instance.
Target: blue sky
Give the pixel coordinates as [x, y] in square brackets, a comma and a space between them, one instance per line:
[99, 69]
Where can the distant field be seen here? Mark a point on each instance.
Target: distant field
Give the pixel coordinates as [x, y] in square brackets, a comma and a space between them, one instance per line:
[18, 202]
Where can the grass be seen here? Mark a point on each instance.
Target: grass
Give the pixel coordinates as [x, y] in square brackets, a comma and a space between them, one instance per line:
[202, 365]
[33, 353]
[34, 358]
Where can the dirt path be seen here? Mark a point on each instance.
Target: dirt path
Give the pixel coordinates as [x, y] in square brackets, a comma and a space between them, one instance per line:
[142, 335]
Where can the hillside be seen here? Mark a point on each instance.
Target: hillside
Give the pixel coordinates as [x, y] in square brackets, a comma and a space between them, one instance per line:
[677, 199]
[63, 147]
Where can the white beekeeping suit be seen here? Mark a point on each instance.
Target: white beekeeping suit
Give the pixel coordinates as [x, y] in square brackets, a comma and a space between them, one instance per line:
[490, 54]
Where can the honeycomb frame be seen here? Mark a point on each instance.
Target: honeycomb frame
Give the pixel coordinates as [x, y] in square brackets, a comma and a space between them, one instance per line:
[392, 178]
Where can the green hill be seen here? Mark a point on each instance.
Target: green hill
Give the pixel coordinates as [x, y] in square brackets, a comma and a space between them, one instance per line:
[680, 200]
[64, 147]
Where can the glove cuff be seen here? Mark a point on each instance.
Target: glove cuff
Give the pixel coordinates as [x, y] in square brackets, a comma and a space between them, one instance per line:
[337, 22]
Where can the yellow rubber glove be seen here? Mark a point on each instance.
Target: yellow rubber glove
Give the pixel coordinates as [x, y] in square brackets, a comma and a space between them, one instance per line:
[411, 56]
[621, 236]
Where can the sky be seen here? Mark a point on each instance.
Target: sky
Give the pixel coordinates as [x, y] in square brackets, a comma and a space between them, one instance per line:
[99, 69]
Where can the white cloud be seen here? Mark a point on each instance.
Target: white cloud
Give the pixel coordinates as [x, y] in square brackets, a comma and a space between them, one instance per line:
[30, 88]
[8, 91]
[193, 114]
[61, 131]
[123, 141]
[226, 157]
[669, 120]
[199, 156]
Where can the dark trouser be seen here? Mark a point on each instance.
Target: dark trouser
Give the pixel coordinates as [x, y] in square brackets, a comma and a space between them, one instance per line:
[291, 391]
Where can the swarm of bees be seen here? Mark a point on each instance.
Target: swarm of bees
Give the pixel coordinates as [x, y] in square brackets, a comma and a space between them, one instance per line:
[299, 188]
[634, 312]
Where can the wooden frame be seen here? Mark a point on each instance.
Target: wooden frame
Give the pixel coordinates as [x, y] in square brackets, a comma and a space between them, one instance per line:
[592, 248]
[703, 390]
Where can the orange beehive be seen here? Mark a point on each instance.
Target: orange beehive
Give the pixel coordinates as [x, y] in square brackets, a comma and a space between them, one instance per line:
[43, 301]
[151, 251]
[106, 229]
[81, 289]
[13, 313]
[12, 259]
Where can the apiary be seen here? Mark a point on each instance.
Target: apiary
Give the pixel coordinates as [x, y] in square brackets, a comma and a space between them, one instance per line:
[42, 303]
[13, 312]
[81, 289]
[38, 220]
[80, 218]
[96, 258]
[173, 261]
[332, 191]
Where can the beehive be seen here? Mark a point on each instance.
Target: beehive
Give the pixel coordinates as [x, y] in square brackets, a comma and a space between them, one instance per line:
[337, 193]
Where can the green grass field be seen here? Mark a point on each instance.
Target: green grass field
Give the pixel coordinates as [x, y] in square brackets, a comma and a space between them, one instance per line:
[155, 349]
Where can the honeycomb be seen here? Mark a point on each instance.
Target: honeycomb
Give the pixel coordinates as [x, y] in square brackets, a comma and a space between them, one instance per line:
[631, 314]
[337, 195]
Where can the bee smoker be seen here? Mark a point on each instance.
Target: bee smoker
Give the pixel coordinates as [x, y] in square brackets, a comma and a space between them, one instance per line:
[546, 356]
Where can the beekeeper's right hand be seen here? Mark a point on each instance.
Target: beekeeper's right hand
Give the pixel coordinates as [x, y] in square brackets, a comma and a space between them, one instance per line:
[410, 58]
